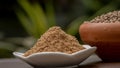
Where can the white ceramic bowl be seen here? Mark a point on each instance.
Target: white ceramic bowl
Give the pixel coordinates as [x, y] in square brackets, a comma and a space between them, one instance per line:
[57, 58]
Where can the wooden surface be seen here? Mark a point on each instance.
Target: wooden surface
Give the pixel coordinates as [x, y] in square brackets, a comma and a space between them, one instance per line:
[92, 62]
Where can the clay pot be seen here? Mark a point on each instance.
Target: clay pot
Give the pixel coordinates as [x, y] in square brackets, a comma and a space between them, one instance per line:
[105, 36]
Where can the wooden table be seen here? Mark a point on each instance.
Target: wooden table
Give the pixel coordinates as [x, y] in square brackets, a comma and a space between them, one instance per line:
[92, 62]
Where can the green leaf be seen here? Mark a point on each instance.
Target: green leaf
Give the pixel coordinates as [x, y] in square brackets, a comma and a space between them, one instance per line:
[73, 28]
[41, 21]
[36, 15]
[26, 23]
[7, 46]
[5, 53]
[50, 13]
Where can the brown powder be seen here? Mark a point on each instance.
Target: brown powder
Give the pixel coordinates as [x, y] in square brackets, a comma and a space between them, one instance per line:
[55, 40]
[111, 17]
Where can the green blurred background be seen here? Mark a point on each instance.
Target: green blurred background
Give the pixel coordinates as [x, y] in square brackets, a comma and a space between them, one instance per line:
[23, 21]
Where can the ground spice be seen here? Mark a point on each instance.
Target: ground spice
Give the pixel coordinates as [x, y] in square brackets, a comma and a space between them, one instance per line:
[55, 40]
[111, 17]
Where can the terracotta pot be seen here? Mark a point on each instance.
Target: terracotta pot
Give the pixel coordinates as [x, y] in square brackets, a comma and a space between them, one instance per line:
[105, 36]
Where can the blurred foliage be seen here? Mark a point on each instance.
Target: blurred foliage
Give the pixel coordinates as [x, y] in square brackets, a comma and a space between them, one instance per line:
[6, 49]
[36, 16]
[35, 23]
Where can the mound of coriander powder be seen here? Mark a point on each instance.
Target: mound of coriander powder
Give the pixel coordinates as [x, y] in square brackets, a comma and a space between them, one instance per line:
[111, 17]
[55, 40]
